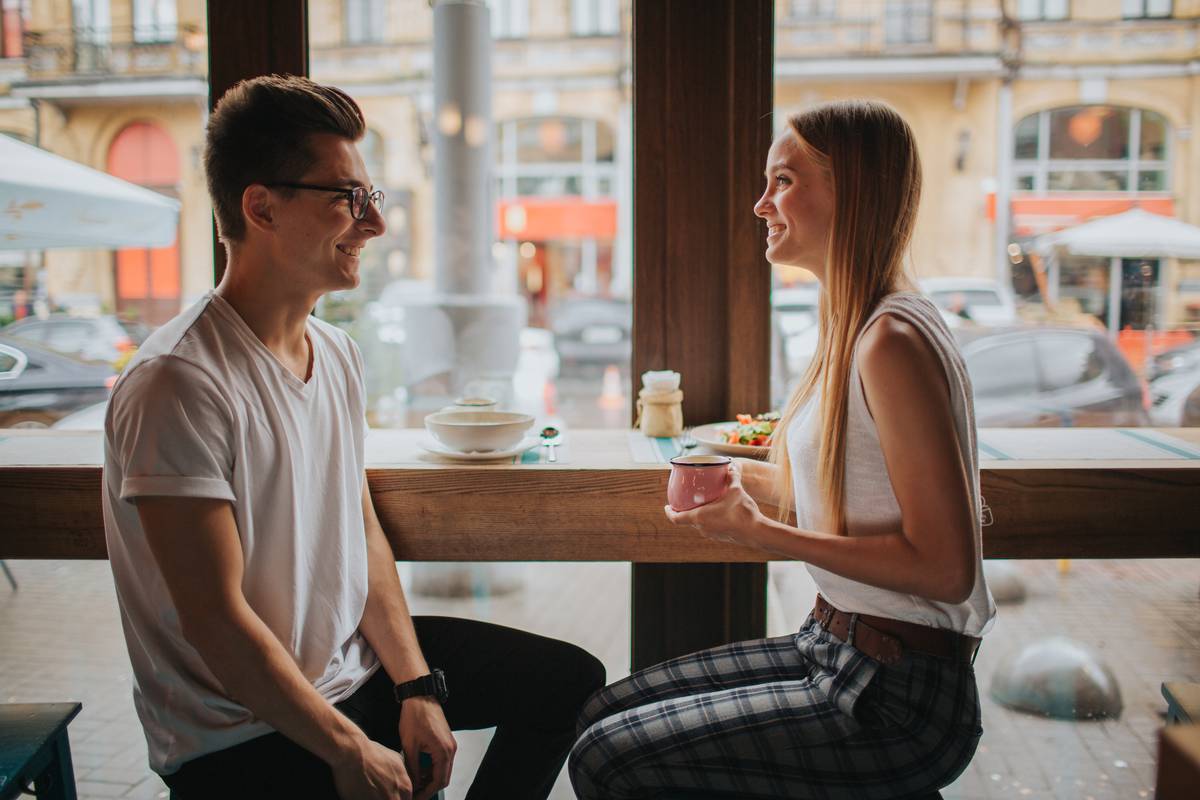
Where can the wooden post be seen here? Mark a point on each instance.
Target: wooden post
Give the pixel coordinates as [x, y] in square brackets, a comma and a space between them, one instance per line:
[702, 127]
[248, 39]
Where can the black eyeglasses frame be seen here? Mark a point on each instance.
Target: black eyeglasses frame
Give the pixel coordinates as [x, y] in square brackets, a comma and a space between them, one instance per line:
[358, 197]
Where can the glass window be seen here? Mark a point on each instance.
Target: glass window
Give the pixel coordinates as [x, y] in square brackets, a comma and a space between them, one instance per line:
[813, 9]
[154, 21]
[8, 363]
[365, 22]
[595, 17]
[1089, 132]
[1134, 9]
[510, 18]
[1002, 370]
[908, 22]
[1068, 360]
[555, 246]
[1153, 137]
[1087, 180]
[1089, 150]
[12, 27]
[1027, 138]
[1032, 10]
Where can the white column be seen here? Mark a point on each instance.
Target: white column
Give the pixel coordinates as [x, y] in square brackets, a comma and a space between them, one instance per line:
[1004, 182]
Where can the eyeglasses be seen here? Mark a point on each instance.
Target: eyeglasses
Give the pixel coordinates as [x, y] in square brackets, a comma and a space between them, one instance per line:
[358, 196]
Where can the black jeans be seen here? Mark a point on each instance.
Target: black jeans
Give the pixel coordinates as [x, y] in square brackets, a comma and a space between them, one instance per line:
[528, 687]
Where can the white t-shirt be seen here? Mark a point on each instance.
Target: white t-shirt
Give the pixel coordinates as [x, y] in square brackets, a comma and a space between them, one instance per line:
[206, 410]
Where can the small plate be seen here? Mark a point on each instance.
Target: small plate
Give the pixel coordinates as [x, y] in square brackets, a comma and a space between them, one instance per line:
[431, 445]
[710, 436]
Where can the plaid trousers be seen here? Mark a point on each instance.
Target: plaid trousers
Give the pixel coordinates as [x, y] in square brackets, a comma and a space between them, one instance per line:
[799, 716]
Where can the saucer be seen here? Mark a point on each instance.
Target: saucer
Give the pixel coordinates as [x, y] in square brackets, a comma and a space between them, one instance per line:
[431, 445]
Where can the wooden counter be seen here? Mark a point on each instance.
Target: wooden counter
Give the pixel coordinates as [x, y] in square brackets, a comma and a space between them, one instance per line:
[599, 505]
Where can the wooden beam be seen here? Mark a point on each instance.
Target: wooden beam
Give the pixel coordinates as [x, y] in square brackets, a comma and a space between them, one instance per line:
[701, 117]
[248, 38]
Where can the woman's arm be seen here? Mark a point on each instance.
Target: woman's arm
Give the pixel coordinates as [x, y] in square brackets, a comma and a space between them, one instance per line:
[758, 479]
[932, 555]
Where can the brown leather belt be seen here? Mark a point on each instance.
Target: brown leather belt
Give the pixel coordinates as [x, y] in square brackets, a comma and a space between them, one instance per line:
[885, 640]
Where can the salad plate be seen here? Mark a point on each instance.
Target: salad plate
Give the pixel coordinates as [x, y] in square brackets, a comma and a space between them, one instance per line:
[431, 445]
[716, 437]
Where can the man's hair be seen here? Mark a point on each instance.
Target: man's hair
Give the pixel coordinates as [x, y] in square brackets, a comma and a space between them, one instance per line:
[259, 133]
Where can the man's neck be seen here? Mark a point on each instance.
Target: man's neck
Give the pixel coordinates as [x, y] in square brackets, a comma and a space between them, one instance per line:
[275, 313]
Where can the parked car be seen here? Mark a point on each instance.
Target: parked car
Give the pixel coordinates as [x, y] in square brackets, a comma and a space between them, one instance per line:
[1050, 376]
[1175, 400]
[39, 386]
[592, 331]
[1185, 358]
[981, 300]
[103, 338]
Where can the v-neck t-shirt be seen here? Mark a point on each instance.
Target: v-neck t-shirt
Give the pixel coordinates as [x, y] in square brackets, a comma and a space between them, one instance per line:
[206, 410]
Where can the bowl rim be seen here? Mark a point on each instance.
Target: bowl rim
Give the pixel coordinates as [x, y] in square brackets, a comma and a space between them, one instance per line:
[440, 418]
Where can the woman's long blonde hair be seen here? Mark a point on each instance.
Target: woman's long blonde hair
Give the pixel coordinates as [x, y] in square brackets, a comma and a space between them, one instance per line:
[871, 156]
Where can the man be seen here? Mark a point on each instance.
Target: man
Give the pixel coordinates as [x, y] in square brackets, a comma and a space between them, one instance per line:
[272, 647]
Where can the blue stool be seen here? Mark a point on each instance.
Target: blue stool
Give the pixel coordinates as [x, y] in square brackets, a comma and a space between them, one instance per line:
[34, 750]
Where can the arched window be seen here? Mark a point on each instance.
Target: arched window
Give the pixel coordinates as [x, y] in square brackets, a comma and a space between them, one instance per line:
[1092, 149]
[147, 279]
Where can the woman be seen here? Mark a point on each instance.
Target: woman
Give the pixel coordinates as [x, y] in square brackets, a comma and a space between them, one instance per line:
[875, 696]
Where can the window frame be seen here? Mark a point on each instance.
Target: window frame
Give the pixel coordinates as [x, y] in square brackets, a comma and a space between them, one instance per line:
[364, 22]
[1041, 15]
[1042, 165]
[1143, 10]
[595, 17]
[909, 13]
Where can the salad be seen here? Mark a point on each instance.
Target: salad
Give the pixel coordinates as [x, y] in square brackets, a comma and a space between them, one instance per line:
[754, 431]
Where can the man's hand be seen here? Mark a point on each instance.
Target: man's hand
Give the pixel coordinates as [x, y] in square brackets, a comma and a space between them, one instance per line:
[372, 772]
[423, 729]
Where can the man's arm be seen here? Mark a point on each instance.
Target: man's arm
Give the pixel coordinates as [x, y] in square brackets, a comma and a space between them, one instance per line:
[196, 545]
[387, 625]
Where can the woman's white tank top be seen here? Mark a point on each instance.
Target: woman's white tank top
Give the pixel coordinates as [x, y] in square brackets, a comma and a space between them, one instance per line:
[871, 505]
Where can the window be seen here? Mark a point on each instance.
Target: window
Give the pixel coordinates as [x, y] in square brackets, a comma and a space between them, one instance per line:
[1002, 370]
[595, 17]
[92, 21]
[365, 22]
[1092, 149]
[813, 9]
[1032, 10]
[908, 22]
[154, 21]
[1067, 361]
[510, 18]
[8, 363]
[13, 14]
[1143, 9]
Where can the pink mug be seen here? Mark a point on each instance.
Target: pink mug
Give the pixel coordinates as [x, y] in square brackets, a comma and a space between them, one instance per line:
[696, 480]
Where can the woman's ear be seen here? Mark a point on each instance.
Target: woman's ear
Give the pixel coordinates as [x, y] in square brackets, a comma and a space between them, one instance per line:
[257, 207]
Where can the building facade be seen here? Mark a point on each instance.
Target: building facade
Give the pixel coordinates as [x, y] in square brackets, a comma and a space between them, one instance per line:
[1031, 115]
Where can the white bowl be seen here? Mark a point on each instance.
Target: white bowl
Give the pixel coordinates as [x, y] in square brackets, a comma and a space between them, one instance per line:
[478, 431]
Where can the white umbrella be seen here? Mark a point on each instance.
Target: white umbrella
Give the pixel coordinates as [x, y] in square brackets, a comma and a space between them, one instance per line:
[47, 201]
[1130, 234]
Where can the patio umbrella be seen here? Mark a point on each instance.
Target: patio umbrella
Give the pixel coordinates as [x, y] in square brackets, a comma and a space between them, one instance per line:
[1130, 234]
[47, 201]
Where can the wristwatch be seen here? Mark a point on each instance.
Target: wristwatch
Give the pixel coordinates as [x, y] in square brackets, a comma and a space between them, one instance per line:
[431, 685]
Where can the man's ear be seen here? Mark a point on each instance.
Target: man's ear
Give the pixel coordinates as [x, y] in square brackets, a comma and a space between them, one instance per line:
[257, 207]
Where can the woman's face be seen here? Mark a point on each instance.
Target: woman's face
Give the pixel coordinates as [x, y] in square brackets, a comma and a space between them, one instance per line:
[797, 206]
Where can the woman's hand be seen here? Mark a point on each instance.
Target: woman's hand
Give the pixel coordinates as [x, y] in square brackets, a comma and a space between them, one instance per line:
[733, 517]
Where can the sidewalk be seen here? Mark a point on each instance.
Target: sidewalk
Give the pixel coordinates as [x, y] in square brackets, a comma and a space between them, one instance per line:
[60, 639]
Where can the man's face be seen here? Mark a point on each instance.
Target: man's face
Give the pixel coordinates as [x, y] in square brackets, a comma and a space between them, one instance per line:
[318, 239]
